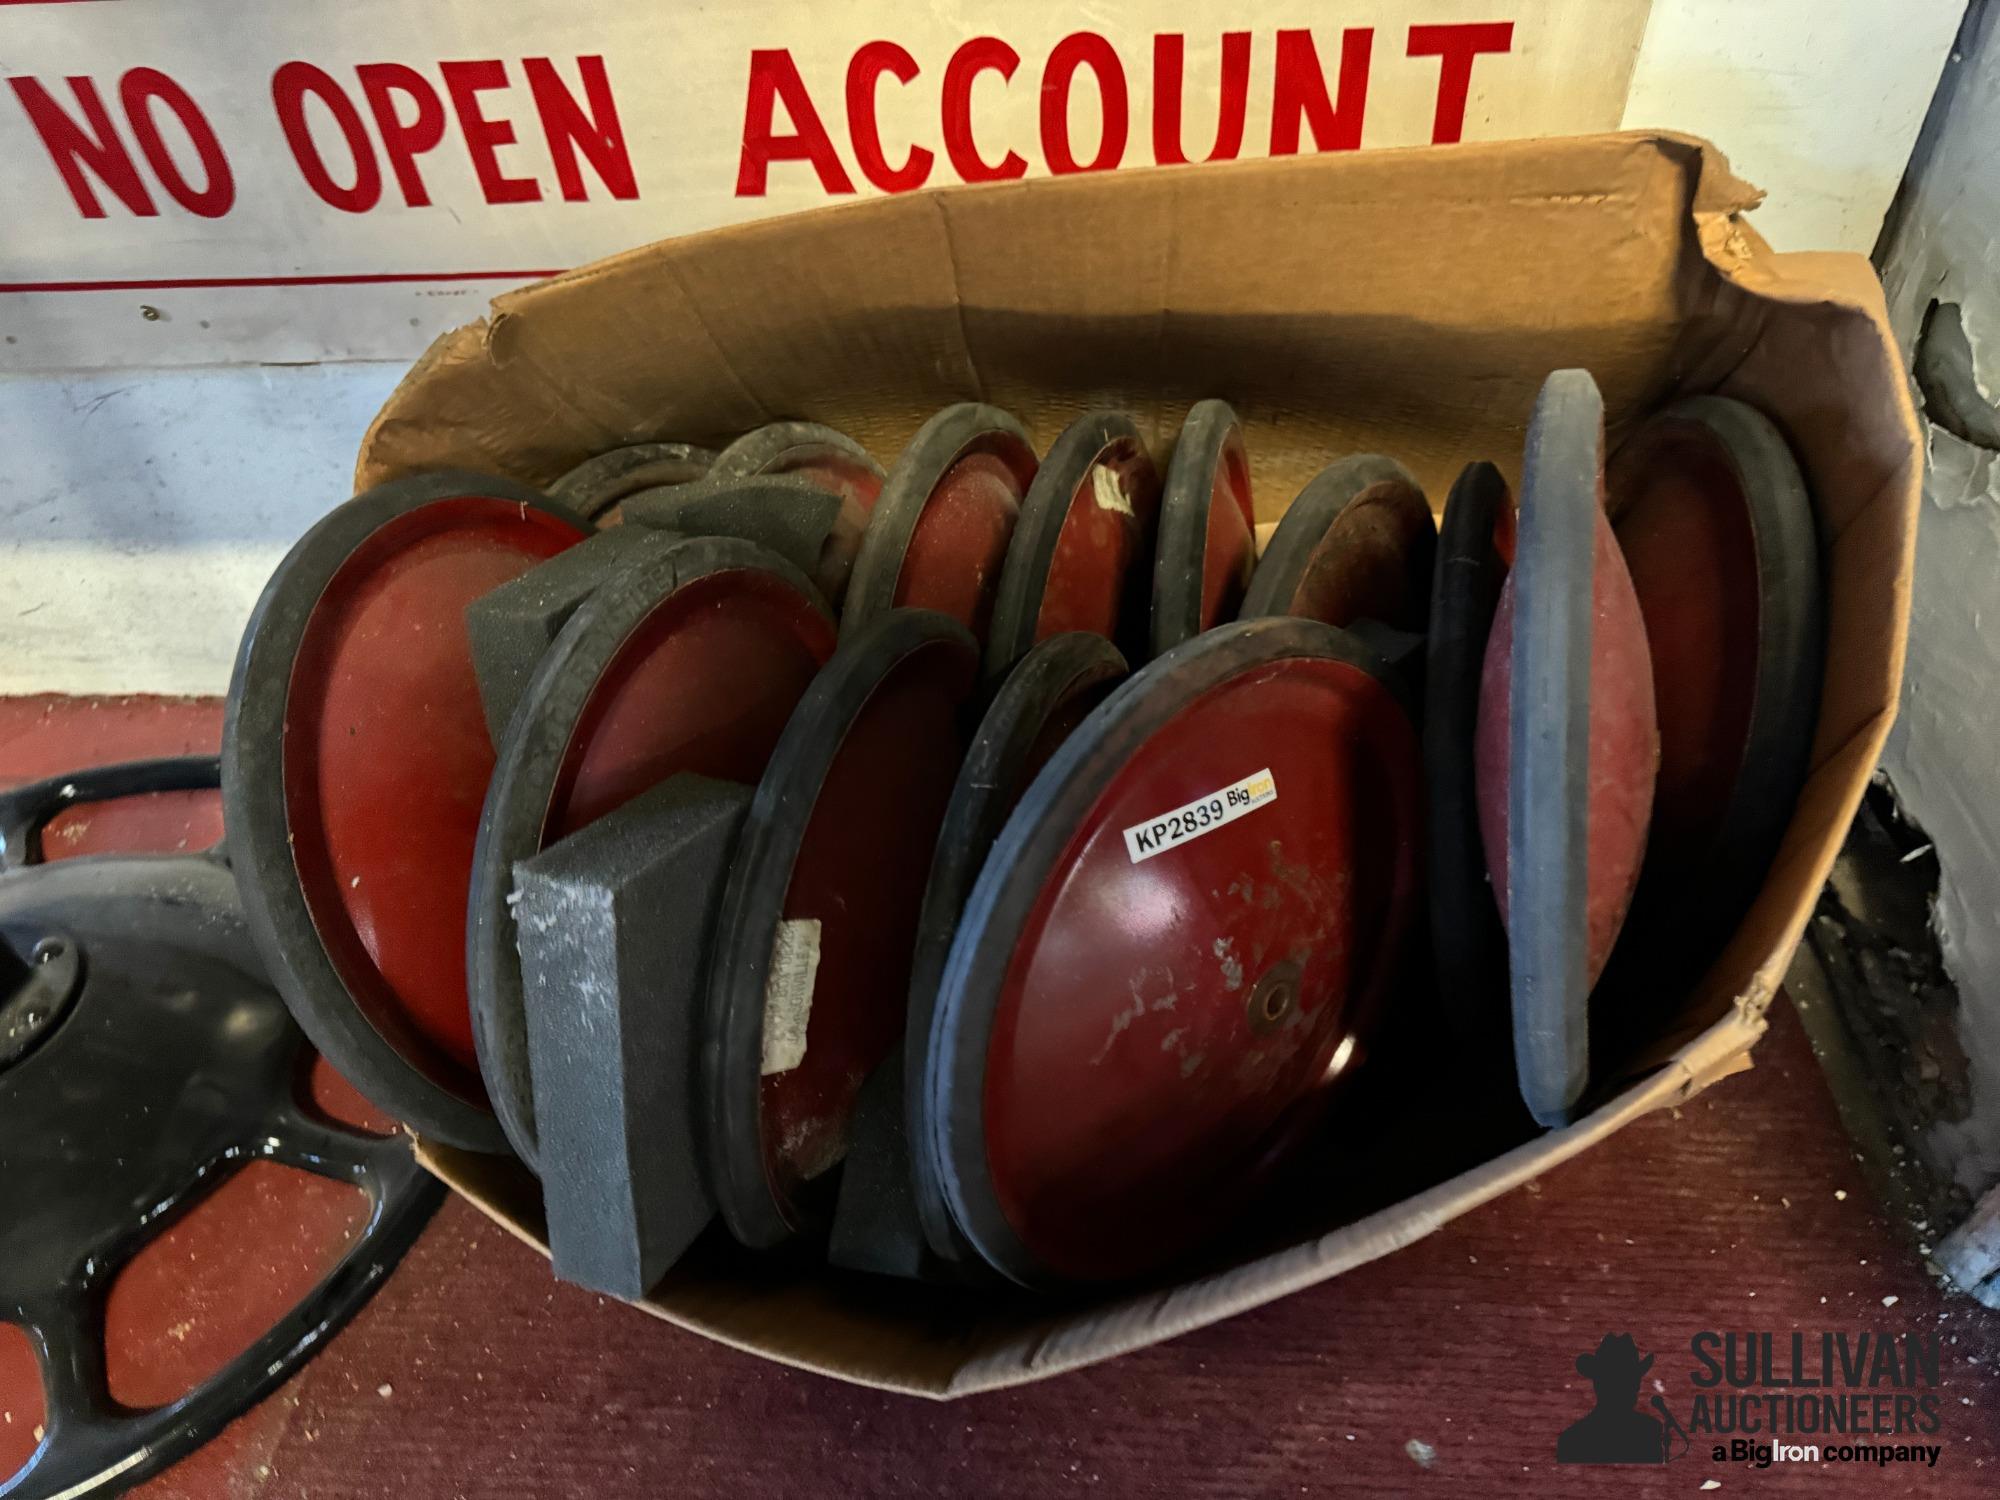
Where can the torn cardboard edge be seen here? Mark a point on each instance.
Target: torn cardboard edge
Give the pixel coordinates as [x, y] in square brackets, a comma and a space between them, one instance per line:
[1407, 302]
[495, 391]
[503, 1191]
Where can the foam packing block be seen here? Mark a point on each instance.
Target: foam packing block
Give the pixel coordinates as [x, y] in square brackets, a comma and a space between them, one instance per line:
[511, 627]
[613, 926]
[790, 516]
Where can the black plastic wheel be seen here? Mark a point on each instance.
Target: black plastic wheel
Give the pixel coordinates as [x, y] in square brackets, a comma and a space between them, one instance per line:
[171, 1064]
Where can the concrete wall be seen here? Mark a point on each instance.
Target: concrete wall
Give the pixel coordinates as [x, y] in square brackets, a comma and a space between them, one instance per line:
[1943, 761]
[141, 512]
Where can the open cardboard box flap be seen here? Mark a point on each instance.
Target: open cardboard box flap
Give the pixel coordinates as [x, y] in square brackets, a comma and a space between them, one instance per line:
[1407, 302]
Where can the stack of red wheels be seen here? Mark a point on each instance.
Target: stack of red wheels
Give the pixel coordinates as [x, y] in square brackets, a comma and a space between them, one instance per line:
[1000, 867]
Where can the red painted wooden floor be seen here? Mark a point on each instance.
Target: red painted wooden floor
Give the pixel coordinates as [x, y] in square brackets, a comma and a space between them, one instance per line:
[1445, 1369]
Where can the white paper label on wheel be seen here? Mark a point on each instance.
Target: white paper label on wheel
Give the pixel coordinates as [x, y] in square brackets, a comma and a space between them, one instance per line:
[788, 994]
[1203, 815]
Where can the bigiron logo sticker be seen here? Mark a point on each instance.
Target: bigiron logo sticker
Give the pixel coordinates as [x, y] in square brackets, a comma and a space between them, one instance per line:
[1203, 815]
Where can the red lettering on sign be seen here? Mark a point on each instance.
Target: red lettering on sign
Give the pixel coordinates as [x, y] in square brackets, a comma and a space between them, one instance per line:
[465, 82]
[1169, 64]
[1298, 93]
[569, 127]
[1083, 49]
[1456, 46]
[92, 144]
[774, 79]
[403, 141]
[983, 54]
[864, 73]
[291, 85]
[138, 91]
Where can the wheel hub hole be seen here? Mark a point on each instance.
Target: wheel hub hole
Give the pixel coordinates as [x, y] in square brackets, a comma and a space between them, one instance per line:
[1274, 997]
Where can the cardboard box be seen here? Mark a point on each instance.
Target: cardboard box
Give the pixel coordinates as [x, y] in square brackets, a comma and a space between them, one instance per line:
[1409, 302]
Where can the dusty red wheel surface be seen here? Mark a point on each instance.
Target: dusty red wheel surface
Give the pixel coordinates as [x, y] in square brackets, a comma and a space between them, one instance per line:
[811, 961]
[937, 536]
[1717, 528]
[1208, 540]
[1357, 544]
[1083, 544]
[355, 760]
[1174, 952]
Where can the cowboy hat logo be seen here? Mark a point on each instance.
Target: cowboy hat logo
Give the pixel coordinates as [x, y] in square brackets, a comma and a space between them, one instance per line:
[1614, 1432]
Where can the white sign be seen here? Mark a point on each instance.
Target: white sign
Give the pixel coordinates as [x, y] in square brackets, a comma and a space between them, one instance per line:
[197, 181]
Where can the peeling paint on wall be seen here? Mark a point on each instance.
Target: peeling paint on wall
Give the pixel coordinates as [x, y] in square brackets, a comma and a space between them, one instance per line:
[141, 512]
[1940, 262]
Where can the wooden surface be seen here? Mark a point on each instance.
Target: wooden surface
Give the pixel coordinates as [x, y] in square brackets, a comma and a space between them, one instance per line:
[474, 1374]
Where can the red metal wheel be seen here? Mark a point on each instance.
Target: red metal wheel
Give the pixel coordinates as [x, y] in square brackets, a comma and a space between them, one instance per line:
[1079, 552]
[1208, 521]
[1567, 745]
[355, 759]
[811, 963]
[1717, 528]
[938, 534]
[1175, 951]
[689, 660]
[1357, 544]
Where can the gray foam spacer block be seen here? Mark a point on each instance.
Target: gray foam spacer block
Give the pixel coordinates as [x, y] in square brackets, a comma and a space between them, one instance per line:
[512, 626]
[875, 1224]
[614, 926]
[789, 515]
